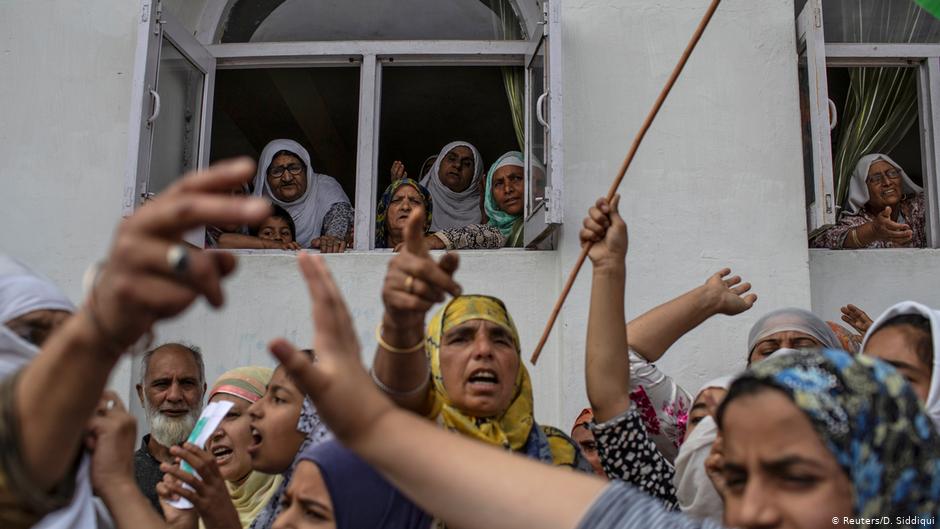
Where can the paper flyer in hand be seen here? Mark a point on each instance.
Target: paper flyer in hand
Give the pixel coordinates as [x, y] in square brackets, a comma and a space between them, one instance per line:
[207, 424]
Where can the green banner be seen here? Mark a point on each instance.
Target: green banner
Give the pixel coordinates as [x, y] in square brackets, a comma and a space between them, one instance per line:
[932, 6]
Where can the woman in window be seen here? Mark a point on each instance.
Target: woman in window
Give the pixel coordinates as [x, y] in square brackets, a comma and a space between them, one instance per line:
[400, 198]
[454, 183]
[885, 210]
[320, 208]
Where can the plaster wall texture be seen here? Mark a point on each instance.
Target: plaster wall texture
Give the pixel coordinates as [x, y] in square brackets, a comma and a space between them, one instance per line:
[717, 183]
[872, 280]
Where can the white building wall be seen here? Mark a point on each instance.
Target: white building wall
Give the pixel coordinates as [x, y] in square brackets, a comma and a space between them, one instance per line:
[717, 183]
[872, 280]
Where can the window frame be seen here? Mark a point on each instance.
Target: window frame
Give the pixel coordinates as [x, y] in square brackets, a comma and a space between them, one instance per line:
[154, 26]
[821, 55]
[371, 57]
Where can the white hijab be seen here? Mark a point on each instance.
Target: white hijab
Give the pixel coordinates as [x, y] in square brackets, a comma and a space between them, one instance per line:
[309, 210]
[23, 291]
[792, 319]
[695, 492]
[933, 316]
[452, 209]
[858, 189]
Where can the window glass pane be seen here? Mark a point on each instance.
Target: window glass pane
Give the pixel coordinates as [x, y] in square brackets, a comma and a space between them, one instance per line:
[325, 20]
[806, 117]
[538, 143]
[176, 130]
[316, 107]
[879, 21]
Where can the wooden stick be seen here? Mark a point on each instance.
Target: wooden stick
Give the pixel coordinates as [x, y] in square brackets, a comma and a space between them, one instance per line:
[623, 170]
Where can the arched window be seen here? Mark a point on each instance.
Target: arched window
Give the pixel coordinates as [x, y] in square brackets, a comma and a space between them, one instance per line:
[360, 84]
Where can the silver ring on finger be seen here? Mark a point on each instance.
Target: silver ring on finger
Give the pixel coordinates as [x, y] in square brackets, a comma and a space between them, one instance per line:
[177, 257]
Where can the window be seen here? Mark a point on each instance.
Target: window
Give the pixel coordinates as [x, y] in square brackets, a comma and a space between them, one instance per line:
[359, 84]
[869, 82]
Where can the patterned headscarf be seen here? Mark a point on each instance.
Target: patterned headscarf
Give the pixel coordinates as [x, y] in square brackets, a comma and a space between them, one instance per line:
[871, 421]
[513, 429]
[381, 211]
[315, 432]
[248, 383]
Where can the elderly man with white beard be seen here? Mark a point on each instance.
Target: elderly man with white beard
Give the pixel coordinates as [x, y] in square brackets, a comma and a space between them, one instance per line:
[171, 387]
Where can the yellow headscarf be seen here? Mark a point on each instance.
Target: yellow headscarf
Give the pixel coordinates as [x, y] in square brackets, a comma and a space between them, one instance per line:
[513, 427]
[251, 495]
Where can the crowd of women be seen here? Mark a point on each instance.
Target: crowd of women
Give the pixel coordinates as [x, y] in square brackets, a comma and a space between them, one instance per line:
[463, 208]
[440, 429]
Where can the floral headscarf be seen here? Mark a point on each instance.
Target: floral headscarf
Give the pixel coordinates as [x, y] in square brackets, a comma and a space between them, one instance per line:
[871, 421]
[381, 211]
[513, 429]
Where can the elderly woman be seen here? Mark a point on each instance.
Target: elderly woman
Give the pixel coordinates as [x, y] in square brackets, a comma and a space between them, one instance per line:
[885, 210]
[400, 198]
[320, 208]
[907, 336]
[466, 373]
[503, 201]
[809, 437]
[454, 183]
[790, 328]
[249, 489]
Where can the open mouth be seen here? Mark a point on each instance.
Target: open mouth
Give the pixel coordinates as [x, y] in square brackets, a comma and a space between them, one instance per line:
[222, 454]
[256, 440]
[483, 378]
[889, 193]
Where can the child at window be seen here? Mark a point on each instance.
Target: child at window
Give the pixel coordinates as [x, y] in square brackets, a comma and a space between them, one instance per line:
[279, 228]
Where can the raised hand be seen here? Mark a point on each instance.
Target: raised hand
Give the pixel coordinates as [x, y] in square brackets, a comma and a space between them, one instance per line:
[414, 281]
[398, 171]
[138, 285]
[336, 377]
[112, 433]
[607, 231]
[208, 493]
[728, 295]
[885, 229]
[857, 318]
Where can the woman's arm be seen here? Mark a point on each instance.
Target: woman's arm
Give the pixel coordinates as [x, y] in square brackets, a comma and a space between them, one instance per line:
[413, 284]
[472, 237]
[495, 489]
[607, 366]
[654, 332]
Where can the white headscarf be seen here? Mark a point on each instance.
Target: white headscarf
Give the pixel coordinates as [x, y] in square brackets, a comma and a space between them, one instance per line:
[695, 492]
[309, 210]
[792, 319]
[452, 209]
[23, 291]
[933, 316]
[858, 189]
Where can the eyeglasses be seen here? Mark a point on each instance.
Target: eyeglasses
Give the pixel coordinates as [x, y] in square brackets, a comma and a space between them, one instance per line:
[880, 178]
[278, 171]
